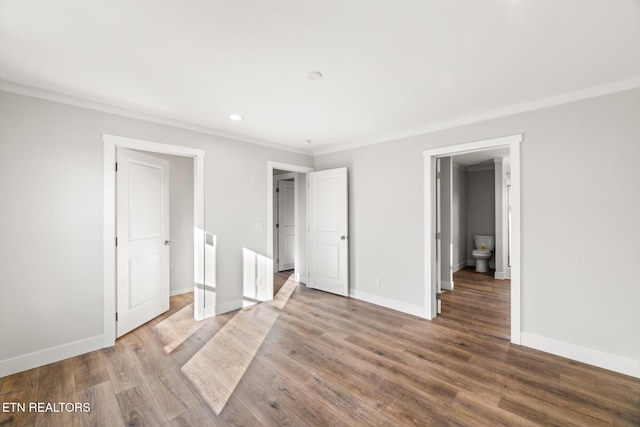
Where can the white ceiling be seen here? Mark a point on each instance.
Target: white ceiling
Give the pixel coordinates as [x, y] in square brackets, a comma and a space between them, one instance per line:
[391, 68]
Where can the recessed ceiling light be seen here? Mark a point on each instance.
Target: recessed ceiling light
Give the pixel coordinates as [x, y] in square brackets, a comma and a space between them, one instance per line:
[236, 117]
[314, 75]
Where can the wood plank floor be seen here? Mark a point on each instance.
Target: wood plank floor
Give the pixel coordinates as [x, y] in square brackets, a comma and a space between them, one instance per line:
[479, 303]
[279, 279]
[327, 361]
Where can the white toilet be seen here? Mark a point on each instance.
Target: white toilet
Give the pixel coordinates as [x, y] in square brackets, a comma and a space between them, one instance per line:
[482, 253]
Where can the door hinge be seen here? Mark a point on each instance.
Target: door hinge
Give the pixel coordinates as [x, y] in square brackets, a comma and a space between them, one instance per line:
[438, 235]
[438, 296]
[116, 316]
[277, 190]
[277, 225]
[116, 166]
[116, 241]
[438, 175]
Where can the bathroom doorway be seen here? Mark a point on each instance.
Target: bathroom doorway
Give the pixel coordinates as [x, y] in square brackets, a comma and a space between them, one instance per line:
[471, 193]
[450, 266]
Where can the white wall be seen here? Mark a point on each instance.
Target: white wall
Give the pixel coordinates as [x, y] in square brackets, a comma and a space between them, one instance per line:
[301, 267]
[181, 222]
[51, 219]
[446, 225]
[459, 218]
[580, 223]
[501, 215]
[480, 208]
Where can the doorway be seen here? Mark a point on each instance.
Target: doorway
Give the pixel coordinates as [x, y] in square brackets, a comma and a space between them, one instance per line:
[285, 228]
[285, 231]
[111, 144]
[321, 212]
[433, 252]
[296, 249]
[143, 238]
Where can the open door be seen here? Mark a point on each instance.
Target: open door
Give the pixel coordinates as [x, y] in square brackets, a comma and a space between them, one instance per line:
[142, 239]
[439, 235]
[286, 225]
[328, 237]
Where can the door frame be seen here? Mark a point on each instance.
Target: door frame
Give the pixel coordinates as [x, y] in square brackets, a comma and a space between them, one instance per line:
[430, 266]
[271, 165]
[276, 219]
[111, 143]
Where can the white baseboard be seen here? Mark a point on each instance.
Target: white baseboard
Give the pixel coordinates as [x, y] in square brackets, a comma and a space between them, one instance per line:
[393, 304]
[499, 275]
[181, 291]
[226, 307]
[300, 279]
[447, 285]
[597, 358]
[459, 267]
[50, 355]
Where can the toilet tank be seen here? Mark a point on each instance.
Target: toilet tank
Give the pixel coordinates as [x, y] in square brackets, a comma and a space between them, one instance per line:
[489, 242]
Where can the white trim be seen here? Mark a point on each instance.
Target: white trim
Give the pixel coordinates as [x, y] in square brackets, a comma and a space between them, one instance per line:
[111, 142]
[597, 358]
[430, 156]
[226, 307]
[50, 355]
[284, 176]
[446, 285]
[499, 275]
[271, 165]
[479, 168]
[404, 307]
[180, 291]
[566, 98]
[459, 267]
[472, 147]
[111, 109]
[300, 278]
[607, 89]
[151, 146]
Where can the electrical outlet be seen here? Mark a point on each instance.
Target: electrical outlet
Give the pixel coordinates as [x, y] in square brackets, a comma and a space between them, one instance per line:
[377, 283]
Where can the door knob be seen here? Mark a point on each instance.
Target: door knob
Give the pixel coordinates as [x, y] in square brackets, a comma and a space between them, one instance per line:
[167, 242]
[344, 237]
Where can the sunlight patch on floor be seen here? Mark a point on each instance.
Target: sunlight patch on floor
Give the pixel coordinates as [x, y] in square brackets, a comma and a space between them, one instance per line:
[175, 329]
[217, 368]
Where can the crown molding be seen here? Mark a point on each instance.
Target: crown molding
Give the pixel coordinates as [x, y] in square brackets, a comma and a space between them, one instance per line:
[594, 92]
[566, 98]
[34, 92]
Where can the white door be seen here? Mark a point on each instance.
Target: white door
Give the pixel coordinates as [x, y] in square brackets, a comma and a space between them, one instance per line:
[142, 185]
[286, 226]
[438, 236]
[328, 237]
